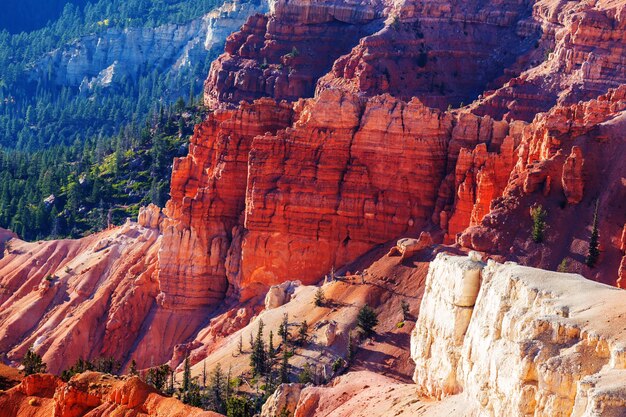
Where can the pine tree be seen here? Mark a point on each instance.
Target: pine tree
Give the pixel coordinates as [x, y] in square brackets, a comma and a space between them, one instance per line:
[240, 344]
[538, 214]
[216, 390]
[187, 374]
[284, 368]
[283, 330]
[594, 252]
[367, 319]
[258, 358]
[320, 298]
[33, 364]
[227, 391]
[303, 333]
[351, 349]
[271, 351]
[204, 373]
[133, 368]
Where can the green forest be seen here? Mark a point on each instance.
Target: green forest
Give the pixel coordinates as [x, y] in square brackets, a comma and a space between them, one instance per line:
[71, 162]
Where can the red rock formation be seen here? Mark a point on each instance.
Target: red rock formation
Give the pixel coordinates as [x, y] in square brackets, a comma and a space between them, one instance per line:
[621, 275]
[207, 204]
[572, 177]
[274, 191]
[544, 174]
[349, 175]
[81, 298]
[91, 394]
[443, 52]
[283, 54]
[480, 177]
[583, 57]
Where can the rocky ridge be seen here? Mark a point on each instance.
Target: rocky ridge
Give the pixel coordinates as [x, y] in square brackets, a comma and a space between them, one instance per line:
[108, 58]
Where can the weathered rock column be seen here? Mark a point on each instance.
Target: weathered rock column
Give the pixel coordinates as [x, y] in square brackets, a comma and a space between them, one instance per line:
[452, 286]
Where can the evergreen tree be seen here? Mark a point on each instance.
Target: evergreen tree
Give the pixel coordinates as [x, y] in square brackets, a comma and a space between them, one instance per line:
[227, 390]
[186, 374]
[33, 364]
[133, 368]
[217, 387]
[284, 367]
[320, 298]
[351, 349]
[157, 376]
[283, 330]
[594, 252]
[538, 215]
[258, 358]
[204, 373]
[271, 351]
[367, 319]
[238, 406]
[303, 333]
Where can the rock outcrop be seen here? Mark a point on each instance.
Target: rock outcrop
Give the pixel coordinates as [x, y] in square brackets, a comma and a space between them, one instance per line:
[520, 341]
[566, 162]
[108, 58]
[202, 234]
[78, 299]
[582, 57]
[284, 399]
[273, 191]
[444, 52]
[91, 394]
[282, 54]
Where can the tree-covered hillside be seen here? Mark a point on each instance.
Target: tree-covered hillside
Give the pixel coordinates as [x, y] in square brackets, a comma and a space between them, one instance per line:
[72, 160]
[70, 191]
[26, 15]
[36, 112]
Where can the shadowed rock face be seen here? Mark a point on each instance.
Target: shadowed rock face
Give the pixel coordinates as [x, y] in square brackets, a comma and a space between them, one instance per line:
[444, 52]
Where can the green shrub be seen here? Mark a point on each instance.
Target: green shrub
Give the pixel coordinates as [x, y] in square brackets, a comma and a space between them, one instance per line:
[33, 364]
[538, 215]
[594, 251]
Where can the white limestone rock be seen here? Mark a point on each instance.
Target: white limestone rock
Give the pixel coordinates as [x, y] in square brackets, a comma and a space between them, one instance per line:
[535, 343]
[105, 59]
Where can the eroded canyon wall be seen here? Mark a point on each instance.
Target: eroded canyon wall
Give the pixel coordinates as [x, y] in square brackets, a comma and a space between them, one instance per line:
[279, 190]
[520, 341]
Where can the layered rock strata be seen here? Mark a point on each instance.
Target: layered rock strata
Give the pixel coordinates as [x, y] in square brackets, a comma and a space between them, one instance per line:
[208, 197]
[583, 56]
[444, 52]
[78, 299]
[520, 341]
[282, 54]
[567, 161]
